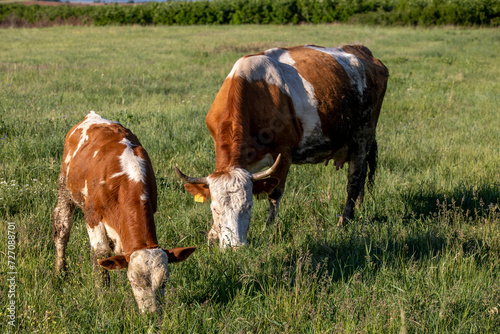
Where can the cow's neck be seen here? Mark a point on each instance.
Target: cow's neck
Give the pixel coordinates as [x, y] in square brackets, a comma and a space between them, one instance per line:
[232, 138]
[230, 155]
[137, 228]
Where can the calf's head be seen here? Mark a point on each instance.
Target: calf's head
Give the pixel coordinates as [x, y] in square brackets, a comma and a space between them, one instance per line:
[231, 194]
[148, 273]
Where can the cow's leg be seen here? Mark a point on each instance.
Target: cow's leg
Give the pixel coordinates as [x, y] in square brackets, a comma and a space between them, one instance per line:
[360, 198]
[355, 186]
[274, 203]
[62, 217]
[99, 249]
[275, 196]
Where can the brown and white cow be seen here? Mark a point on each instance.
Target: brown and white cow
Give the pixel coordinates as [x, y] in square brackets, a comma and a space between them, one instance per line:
[308, 103]
[108, 174]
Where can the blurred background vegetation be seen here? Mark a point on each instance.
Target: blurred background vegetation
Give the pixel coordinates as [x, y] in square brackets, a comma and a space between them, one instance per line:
[379, 12]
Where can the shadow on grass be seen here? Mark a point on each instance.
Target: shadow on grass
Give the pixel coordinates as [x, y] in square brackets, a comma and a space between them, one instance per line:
[474, 199]
[434, 223]
[357, 255]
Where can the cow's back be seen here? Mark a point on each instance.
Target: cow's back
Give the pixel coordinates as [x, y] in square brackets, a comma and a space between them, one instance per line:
[346, 83]
[104, 160]
[310, 98]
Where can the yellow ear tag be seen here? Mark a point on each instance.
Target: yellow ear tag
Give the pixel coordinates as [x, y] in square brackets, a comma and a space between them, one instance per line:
[199, 198]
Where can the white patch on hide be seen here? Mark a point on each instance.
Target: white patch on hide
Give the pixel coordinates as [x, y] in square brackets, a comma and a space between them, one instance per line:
[67, 161]
[91, 119]
[97, 237]
[117, 174]
[85, 190]
[352, 66]
[133, 166]
[115, 238]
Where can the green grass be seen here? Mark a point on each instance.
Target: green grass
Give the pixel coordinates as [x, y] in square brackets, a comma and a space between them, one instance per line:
[423, 254]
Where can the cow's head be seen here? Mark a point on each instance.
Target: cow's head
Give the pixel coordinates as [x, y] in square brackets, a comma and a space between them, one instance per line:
[231, 194]
[148, 273]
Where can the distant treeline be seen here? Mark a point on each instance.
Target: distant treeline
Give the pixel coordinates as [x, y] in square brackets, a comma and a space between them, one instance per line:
[377, 12]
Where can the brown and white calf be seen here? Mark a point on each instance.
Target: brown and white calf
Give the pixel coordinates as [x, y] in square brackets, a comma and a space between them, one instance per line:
[108, 174]
[308, 103]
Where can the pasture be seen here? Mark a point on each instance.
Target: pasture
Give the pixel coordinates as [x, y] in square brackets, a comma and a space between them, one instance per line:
[422, 255]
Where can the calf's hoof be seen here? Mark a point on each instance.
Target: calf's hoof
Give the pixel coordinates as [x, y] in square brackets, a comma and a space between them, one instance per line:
[60, 270]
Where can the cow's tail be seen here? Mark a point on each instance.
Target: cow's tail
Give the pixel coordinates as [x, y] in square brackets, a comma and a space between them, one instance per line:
[372, 164]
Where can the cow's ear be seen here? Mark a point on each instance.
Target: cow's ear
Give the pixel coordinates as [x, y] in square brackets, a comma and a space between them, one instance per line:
[114, 262]
[201, 192]
[265, 185]
[179, 254]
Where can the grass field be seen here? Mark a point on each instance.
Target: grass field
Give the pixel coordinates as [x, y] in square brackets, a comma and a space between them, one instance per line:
[422, 255]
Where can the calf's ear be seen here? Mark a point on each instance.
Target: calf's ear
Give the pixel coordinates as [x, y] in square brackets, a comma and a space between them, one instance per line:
[114, 262]
[201, 192]
[179, 254]
[265, 185]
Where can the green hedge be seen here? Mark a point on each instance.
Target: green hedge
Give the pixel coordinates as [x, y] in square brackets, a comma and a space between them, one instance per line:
[382, 12]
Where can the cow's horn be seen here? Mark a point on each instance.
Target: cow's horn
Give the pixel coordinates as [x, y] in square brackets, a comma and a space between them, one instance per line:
[260, 175]
[188, 179]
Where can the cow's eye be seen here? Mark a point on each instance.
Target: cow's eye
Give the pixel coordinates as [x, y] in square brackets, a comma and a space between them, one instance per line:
[215, 210]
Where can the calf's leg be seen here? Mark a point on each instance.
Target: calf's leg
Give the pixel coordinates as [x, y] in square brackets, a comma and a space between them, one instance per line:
[62, 221]
[99, 250]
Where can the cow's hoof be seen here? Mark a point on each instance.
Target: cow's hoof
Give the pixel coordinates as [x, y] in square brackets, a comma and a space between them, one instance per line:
[60, 270]
[343, 221]
[271, 219]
